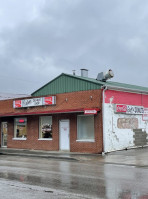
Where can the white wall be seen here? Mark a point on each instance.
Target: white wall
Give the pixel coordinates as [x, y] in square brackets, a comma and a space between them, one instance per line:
[116, 138]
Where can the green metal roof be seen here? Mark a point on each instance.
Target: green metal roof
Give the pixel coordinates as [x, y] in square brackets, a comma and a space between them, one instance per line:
[126, 86]
[65, 83]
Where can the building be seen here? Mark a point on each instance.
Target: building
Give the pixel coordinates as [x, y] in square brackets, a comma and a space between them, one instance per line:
[78, 114]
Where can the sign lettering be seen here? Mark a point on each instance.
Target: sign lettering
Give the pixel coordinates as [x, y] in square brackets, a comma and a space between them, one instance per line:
[90, 111]
[121, 108]
[49, 100]
[18, 103]
[145, 115]
[34, 102]
[129, 109]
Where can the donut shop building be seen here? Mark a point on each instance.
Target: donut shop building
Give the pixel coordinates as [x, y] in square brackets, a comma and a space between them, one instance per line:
[76, 114]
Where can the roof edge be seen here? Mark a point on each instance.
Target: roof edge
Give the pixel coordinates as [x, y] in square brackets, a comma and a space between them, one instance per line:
[87, 79]
[125, 89]
[73, 76]
[47, 83]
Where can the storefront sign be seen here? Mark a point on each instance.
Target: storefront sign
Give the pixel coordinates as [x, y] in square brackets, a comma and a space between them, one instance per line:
[17, 103]
[129, 109]
[34, 102]
[48, 100]
[90, 111]
[145, 115]
[121, 108]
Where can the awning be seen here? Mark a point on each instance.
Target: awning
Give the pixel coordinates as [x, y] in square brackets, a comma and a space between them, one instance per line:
[45, 112]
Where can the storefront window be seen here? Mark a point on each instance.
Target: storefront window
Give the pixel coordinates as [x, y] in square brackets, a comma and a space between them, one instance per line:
[85, 127]
[20, 128]
[45, 127]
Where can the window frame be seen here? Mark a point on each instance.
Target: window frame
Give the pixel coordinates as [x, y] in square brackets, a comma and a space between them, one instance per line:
[86, 140]
[40, 124]
[15, 127]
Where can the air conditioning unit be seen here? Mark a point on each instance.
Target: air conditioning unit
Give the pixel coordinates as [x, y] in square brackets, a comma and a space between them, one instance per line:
[105, 76]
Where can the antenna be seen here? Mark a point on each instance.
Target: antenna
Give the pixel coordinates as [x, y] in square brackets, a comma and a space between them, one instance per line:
[74, 72]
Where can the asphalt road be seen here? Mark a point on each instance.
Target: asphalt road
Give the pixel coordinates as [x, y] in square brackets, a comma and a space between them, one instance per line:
[26, 177]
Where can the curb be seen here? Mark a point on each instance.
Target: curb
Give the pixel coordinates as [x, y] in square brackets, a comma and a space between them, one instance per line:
[40, 156]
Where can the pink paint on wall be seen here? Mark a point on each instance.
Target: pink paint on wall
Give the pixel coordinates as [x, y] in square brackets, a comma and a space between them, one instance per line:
[119, 97]
[145, 100]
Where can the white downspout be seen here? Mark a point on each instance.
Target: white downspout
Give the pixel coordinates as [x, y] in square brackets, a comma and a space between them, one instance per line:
[103, 117]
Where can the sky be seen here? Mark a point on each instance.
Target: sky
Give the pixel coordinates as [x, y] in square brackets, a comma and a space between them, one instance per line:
[40, 39]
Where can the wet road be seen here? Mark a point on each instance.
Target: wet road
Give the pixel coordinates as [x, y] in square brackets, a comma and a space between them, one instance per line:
[87, 179]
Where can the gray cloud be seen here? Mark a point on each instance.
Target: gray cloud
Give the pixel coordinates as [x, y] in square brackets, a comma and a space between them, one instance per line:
[64, 35]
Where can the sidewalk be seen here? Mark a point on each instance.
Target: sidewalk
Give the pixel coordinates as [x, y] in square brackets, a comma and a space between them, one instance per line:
[133, 157]
[137, 157]
[63, 155]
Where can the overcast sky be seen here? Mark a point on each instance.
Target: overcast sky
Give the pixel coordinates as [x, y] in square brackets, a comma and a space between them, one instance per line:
[40, 39]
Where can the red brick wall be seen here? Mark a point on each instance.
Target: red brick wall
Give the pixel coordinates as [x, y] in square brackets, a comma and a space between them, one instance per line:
[75, 100]
[32, 141]
[0, 133]
[87, 147]
[65, 101]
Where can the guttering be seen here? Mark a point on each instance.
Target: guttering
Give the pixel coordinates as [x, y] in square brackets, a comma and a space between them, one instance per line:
[125, 89]
[103, 117]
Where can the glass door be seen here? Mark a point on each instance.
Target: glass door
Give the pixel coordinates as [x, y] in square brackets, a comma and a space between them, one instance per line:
[4, 134]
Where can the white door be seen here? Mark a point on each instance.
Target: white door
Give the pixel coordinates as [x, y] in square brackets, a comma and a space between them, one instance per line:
[64, 135]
